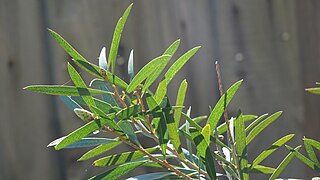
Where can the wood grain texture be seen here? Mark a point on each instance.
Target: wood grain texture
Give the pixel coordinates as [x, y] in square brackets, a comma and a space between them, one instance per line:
[273, 45]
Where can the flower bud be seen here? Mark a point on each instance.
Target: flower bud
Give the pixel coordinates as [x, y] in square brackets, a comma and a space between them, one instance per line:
[84, 114]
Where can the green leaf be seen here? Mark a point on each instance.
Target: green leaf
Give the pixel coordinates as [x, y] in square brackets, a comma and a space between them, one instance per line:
[159, 121]
[180, 101]
[314, 90]
[172, 129]
[241, 146]
[310, 151]
[223, 127]
[192, 123]
[128, 129]
[206, 131]
[261, 126]
[155, 74]
[116, 39]
[173, 70]
[304, 159]
[146, 71]
[152, 176]
[103, 106]
[84, 142]
[204, 152]
[99, 150]
[104, 86]
[284, 163]
[271, 149]
[79, 83]
[129, 112]
[64, 90]
[119, 171]
[222, 104]
[314, 143]
[261, 169]
[130, 65]
[121, 158]
[83, 131]
[255, 122]
[66, 46]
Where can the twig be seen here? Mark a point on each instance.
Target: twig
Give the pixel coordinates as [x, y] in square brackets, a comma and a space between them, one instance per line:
[138, 94]
[226, 118]
[164, 163]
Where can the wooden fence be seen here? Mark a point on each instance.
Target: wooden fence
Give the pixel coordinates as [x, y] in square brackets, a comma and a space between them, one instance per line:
[273, 45]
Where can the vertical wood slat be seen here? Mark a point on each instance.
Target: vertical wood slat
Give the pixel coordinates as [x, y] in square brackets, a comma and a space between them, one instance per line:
[271, 44]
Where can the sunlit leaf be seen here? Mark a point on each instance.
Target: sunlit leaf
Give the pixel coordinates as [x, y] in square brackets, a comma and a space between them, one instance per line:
[241, 146]
[222, 104]
[64, 90]
[99, 150]
[255, 122]
[146, 71]
[310, 151]
[121, 158]
[84, 142]
[314, 90]
[262, 125]
[119, 171]
[259, 169]
[271, 149]
[284, 163]
[116, 39]
[180, 101]
[223, 127]
[192, 123]
[104, 106]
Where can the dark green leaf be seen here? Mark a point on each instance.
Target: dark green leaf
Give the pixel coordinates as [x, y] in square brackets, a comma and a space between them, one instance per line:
[64, 90]
[222, 104]
[70, 103]
[128, 112]
[128, 129]
[241, 146]
[261, 126]
[284, 163]
[105, 86]
[99, 150]
[146, 71]
[121, 158]
[84, 142]
[271, 149]
[116, 39]
[103, 106]
[152, 176]
[119, 171]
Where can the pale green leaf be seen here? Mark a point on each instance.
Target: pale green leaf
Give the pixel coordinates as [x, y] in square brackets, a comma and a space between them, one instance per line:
[241, 146]
[222, 104]
[116, 39]
[314, 90]
[259, 169]
[99, 150]
[119, 171]
[121, 158]
[284, 163]
[310, 150]
[271, 149]
[146, 71]
[262, 125]
[64, 90]
[152, 176]
[180, 101]
[255, 122]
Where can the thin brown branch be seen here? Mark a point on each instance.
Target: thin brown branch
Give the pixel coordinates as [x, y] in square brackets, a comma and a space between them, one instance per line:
[138, 94]
[226, 118]
[163, 163]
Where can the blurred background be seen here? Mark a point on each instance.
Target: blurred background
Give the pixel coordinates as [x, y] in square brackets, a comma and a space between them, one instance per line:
[272, 44]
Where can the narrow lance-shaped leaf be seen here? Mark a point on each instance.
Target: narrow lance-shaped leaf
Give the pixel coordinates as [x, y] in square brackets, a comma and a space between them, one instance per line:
[255, 122]
[151, 176]
[130, 66]
[154, 75]
[222, 104]
[204, 152]
[119, 171]
[69, 102]
[271, 149]
[79, 83]
[284, 163]
[116, 39]
[64, 90]
[105, 86]
[146, 71]
[314, 90]
[121, 158]
[261, 169]
[103, 59]
[99, 150]
[84, 142]
[173, 70]
[128, 129]
[206, 133]
[314, 143]
[261, 126]
[310, 151]
[172, 129]
[241, 147]
[304, 159]
[104, 106]
[223, 127]
[180, 101]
